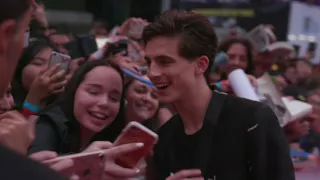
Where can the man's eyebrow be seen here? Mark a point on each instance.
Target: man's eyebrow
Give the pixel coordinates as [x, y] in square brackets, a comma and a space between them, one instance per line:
[163, 57]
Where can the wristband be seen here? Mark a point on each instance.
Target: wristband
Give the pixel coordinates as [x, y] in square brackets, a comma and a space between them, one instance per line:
[225, 85]
[222, 84]
[219, 84]
[26, 112]
[31, 107]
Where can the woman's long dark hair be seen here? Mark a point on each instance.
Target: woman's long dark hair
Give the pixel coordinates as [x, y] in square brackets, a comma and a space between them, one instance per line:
[19, 93]
[66, 103]
[225, 45]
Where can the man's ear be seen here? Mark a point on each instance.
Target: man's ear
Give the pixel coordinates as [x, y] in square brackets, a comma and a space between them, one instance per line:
[7, 33]
[202, 64]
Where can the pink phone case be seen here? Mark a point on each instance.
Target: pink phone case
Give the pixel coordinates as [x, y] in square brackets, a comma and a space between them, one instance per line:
[135, 133]
[87, 166]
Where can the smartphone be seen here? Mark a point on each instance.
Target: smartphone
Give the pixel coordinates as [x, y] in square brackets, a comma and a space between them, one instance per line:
[73, 49]
[88, 166]
[82, 46]
[88, 44]
[59, 58]
[134, 132]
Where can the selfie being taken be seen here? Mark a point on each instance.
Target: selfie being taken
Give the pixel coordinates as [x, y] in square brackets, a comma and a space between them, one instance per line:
[158, 90]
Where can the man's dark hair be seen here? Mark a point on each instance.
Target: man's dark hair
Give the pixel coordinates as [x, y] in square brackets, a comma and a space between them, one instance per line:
[197, 36]
[13, 9]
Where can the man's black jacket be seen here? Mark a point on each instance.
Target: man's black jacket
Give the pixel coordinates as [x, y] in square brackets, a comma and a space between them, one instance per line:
[240, 140]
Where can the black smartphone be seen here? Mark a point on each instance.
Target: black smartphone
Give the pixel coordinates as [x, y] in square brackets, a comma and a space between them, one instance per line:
[88, 44]
[74, 49]
[82, 46]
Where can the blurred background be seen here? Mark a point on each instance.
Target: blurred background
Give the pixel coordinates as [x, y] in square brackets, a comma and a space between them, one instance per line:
[293, 21]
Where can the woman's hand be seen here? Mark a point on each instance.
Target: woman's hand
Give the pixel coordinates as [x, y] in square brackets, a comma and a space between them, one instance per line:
[17, 132]
[126, 27]
[39, 13]
[112, 171]
[125, 62]
[98, 145]
[47, 83]
[74, 65]
[43, 156]
[190, 174]
[227, 86]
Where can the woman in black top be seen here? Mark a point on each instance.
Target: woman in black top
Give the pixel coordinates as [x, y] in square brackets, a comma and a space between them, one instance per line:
[87, 111]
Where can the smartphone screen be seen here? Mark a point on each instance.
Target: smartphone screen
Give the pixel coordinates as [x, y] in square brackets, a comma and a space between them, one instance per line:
[62, 59]
[135, 133]
[88, 44]
[74, 49]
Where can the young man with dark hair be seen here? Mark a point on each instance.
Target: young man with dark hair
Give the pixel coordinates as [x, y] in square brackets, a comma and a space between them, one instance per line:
[213, 136]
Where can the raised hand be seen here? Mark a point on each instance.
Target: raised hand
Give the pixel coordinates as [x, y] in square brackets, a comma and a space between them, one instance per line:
[190, 174]
[17, 132]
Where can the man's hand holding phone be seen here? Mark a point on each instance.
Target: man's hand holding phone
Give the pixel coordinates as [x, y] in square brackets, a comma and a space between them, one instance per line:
[190, 174]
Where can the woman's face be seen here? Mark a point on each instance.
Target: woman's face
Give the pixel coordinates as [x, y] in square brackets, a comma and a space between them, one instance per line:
[291, 74]
[142, 100]
[237, 54]
[37, 65]
[314, 100]
[304, 70]
[6, 101]
[97, 99]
